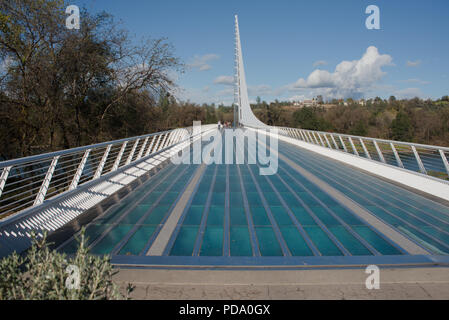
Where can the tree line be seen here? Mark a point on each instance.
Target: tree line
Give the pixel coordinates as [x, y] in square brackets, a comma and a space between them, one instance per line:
[411, 120]
[62, 88]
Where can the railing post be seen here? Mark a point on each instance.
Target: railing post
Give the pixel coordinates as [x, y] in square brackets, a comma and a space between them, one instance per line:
[310, 137]
[180, 135]
[119, 156]
[131, 154]
[307, 135]
[79, 171]
[151, 146]
[142, 148]
[396, 155]
[379, 152]
[353, 146]
[155, 149]
[303, 136]
[418, 159]
[327, 141]
[343, 143]
[314, 137]
[99, 170]
[170, 138]
[46, 183]
[335, 143]
[176, 136]
[298, 134]
[3, 177]
[443, 157]
[365, 149]
[321, 140]
[293, 134]
[163, 142]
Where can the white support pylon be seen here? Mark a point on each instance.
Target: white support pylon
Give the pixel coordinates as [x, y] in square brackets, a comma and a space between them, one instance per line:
[245, 114]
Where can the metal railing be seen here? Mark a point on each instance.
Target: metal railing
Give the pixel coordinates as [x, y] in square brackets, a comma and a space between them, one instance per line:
[29, 181]
[426, 159]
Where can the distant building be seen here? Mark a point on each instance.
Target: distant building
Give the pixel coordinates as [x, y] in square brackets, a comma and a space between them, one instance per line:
[309, 102]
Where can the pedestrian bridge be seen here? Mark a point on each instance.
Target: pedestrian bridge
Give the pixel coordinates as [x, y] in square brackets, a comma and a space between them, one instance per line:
[334, 200]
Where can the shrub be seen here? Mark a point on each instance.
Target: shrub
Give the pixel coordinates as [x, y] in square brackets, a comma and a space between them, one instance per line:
[45, 274]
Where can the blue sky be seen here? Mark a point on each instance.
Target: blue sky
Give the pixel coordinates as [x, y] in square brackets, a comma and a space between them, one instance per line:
[296, 49]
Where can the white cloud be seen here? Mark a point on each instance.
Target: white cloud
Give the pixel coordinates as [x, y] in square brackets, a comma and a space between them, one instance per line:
[320, 63]
[408, 93]
[225, 80]
[413, 63]
[350, 78]
[202, 62]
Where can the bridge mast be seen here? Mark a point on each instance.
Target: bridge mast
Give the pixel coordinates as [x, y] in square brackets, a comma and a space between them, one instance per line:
[243, 115]
[236, 75]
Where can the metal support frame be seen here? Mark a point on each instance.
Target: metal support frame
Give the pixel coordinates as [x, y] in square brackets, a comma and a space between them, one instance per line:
[396, 155]
[310, 136]
[119, 157]
[79, 171]
[353, 147]
[99, 170]
[443, 157]
[22, 195]
[343, 143]
[327, 141]
[142, 148]
[131, 154]
[321, 140]
[418, 160]
[147, 153]
[170, 139]
[379, 152]
[155, 149]
[3, 177]
[314, 138]
[365, 149]
[335, 143]
[46, 183]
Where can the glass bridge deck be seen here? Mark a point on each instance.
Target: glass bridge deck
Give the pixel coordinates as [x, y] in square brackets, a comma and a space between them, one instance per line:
[234, 214]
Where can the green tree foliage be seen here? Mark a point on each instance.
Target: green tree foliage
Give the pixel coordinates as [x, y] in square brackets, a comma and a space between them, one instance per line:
[401, 128]
[309, 118]
[414, 120]
[45, 274]
[63, 88]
